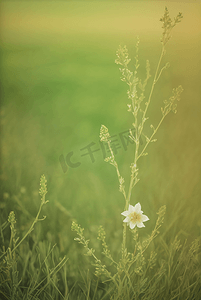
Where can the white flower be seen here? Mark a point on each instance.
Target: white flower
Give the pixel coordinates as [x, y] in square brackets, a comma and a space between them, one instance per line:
[134, 216]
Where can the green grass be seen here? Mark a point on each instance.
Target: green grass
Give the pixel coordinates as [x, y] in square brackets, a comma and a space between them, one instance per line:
[59, 84]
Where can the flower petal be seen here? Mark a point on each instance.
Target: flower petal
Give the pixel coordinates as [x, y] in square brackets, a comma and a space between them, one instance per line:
[132, 225]
[131, 208]
[140, 225]
[144, 218]
[138, 208]
[125, 213]
[126, 220]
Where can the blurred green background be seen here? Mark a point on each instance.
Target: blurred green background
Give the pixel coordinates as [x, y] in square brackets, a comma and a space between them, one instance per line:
[59, 83]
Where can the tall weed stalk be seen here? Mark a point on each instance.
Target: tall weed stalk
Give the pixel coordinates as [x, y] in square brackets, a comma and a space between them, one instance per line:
[132, 276]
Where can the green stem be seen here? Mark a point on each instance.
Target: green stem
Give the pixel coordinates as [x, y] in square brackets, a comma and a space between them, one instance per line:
[30, 229]
[116, 166]
[151, 137]
[152, 89]
[137, 136]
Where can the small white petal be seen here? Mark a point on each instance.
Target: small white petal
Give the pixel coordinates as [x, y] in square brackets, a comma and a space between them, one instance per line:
[131, 208]
[138, 208]
[144, 218]
[132, 225]
[125, 213]
[126, 220]
[140, 225]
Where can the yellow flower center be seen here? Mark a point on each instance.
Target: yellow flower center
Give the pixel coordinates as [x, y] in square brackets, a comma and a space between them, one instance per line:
[134, 217]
